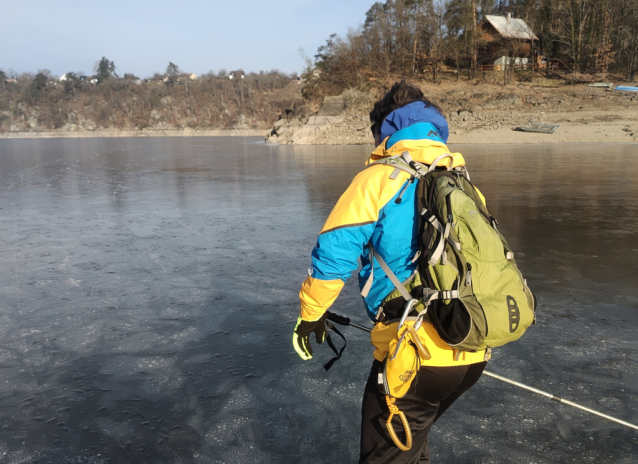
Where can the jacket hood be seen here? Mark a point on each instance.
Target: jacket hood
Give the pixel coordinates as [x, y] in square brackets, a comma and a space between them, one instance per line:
[422, 140]
[411, 114]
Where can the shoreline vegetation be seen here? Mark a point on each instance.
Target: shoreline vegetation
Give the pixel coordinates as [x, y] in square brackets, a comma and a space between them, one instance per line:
[491, 66]
[213, 103]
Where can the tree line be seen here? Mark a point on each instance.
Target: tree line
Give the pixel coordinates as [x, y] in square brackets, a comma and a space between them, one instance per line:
[112, 102]
[419, 37]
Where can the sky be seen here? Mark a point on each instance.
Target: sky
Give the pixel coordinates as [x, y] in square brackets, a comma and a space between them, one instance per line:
[142, 36]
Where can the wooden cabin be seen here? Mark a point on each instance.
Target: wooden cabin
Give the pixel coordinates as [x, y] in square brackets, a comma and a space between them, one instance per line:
[503, 36]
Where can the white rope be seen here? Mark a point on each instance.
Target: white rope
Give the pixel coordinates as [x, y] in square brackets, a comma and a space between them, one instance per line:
[560, 400]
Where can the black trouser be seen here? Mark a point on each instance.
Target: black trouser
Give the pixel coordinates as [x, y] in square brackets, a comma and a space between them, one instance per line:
[436, 389]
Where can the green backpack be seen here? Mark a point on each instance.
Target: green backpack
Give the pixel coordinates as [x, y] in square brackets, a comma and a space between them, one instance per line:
[473, 292]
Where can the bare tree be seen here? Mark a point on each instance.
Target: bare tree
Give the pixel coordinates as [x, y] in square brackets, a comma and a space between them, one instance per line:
[575, 15]
[627, 35]
[604, 53]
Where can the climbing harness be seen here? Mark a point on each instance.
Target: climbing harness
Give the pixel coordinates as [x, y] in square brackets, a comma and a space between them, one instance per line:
[346, 321]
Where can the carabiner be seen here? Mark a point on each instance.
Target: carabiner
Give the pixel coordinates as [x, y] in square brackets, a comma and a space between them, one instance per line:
[408, 307]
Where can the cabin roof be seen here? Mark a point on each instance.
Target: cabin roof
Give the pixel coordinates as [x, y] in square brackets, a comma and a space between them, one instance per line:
[511, 28]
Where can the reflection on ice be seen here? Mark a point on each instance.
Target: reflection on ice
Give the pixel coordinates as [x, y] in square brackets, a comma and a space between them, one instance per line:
[149, 291]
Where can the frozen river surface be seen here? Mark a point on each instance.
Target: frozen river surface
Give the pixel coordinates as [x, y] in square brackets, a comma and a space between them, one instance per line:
[148, 292]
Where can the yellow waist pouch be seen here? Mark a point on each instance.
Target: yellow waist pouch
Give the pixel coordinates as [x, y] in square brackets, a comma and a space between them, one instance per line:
[403, 360]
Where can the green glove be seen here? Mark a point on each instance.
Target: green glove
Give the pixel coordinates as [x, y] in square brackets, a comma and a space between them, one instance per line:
[301, 336]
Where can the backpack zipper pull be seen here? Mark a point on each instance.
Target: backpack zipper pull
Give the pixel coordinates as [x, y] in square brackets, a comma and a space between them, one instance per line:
[468, 276]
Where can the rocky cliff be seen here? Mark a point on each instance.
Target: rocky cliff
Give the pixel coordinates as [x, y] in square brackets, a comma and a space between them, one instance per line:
[209, 104]
[340, 120]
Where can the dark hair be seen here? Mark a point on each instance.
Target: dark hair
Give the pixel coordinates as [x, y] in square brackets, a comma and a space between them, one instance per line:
[399, 95]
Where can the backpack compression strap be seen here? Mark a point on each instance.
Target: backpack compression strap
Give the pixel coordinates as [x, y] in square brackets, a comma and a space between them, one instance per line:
[444, 233]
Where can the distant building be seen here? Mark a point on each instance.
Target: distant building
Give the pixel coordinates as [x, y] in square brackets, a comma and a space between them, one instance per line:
[10, 81]
[498, 34]
[65, 77]
[236, 74]
[510, 60]
[496, 27]
[499, 64]
[183, 77]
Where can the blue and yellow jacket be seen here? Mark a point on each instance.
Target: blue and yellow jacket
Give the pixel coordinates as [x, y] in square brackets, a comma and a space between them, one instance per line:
[367, 212]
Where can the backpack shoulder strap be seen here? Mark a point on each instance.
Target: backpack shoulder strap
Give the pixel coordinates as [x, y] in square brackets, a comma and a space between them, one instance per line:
[402, 162]
[430, 294]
